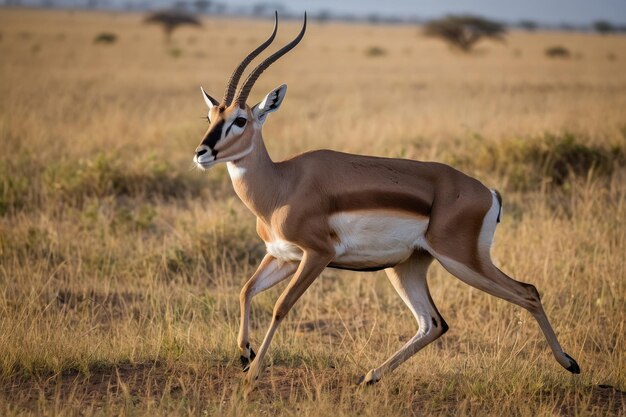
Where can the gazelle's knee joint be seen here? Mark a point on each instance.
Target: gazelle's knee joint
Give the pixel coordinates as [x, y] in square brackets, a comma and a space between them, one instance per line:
[532, 292]
[246, 292]
[440, 324]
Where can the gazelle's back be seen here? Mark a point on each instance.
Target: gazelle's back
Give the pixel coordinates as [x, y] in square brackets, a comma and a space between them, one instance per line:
[359, 182]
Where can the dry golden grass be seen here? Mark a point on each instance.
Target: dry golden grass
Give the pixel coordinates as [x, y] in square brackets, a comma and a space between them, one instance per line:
[120, 266]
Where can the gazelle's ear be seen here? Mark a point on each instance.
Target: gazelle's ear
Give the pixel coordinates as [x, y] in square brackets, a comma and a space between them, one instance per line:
[270, 103]
[210, 101]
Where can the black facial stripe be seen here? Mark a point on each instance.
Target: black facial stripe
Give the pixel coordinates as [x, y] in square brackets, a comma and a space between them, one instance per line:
[214, 135]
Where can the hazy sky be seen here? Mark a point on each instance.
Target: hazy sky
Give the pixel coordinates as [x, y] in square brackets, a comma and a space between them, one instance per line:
[545, 11]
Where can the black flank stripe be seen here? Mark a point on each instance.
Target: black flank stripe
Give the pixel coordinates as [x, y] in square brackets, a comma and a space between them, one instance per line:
[357, 269]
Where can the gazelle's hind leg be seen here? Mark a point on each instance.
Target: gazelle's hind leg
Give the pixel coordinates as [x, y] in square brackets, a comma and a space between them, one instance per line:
[495, 282]
[409, 280]
[485, 276]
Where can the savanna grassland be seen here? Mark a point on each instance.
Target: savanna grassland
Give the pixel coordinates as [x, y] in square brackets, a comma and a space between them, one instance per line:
[120, 264]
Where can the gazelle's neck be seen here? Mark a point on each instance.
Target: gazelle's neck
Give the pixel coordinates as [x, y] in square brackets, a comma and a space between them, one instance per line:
[255, 179]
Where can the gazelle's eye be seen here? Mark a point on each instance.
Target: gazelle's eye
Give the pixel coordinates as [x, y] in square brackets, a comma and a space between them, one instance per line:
[240, 121]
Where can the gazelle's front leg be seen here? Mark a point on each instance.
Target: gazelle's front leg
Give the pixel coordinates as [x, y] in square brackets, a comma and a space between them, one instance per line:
[270, 272]
[312, 264]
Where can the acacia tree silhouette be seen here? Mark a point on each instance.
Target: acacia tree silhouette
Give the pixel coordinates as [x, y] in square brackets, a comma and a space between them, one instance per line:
[171, 19]
[463, 32]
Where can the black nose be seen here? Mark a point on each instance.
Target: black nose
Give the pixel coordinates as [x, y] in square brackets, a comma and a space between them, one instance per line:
[201, 152]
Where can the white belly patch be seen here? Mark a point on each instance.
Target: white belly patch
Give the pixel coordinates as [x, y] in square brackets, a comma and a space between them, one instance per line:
[365, 239]
[376, 238]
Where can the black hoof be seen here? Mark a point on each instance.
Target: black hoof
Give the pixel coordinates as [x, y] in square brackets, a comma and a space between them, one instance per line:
[245, 362]
[573, 367]
[368, 383]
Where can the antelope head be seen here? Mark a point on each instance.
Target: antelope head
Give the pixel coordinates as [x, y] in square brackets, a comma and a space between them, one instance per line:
[232, 123]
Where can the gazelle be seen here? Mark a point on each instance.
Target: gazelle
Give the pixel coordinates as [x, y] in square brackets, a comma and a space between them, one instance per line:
[330, 209]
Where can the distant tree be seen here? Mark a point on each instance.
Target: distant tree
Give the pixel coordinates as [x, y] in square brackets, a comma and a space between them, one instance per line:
[375, 51]
[568, 27]
[603, 27]
[529, 25]
[463, 32]
[171, 19]
[202, 6]
[105, 38]
[323, 16]
[373, 18]
[557, 51]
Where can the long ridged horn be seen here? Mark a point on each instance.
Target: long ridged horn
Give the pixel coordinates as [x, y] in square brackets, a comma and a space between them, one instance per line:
[231, 87]
[247, 86]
